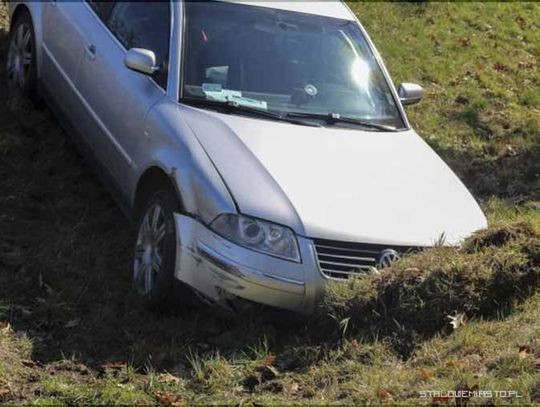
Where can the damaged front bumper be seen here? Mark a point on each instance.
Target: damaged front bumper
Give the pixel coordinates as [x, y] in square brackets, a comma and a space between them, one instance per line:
[223, 271]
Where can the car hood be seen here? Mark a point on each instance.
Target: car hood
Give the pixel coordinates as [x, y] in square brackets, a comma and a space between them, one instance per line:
[336, 183]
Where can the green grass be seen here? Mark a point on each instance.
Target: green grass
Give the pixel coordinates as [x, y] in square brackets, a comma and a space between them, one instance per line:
[77, 335]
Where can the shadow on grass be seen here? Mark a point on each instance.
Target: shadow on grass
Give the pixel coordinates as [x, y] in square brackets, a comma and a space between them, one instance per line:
[507, 165]
[514, 175]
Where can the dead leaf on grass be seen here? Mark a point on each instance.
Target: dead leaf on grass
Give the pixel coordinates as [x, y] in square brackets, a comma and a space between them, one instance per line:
[167, 399]
[270, 359]
[425, 374]
[384, 395]
[441, 400]
[114, 365]
[168, 378]
[525, 351]
[457, 320]
[499, 67]
[456, 364]
[72, 323]
[293, 387]
[4, 389]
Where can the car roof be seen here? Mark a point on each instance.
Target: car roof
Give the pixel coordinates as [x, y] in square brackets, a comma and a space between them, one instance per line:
[328, 8]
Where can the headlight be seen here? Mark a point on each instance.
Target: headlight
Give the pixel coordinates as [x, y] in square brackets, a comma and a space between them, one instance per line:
[258, 235]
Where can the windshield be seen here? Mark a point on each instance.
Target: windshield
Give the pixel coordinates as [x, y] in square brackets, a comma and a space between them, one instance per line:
[284, 62]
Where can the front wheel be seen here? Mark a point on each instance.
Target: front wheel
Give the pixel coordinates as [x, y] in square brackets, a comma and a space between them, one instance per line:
[21, 65]
[154, 259]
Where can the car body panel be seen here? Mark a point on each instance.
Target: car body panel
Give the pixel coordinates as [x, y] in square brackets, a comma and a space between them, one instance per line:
[169, 144]
[344, 184]
[121, 101]
[221, 270]
[242, 171]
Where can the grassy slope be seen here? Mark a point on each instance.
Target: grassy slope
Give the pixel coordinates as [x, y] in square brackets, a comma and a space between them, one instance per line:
[77, 335]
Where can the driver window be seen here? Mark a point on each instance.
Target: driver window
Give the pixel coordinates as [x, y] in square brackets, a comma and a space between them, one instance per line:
[144, 25]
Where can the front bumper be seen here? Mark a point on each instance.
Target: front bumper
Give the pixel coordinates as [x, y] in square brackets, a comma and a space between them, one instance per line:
[223, 271]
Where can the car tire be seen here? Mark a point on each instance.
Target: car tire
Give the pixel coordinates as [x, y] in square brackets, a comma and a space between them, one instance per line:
[21, 63]
[154, 258]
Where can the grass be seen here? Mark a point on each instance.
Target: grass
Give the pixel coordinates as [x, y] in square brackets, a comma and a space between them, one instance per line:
[71, 332]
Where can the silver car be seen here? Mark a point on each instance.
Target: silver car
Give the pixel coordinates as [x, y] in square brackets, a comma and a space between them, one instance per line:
[260, 147]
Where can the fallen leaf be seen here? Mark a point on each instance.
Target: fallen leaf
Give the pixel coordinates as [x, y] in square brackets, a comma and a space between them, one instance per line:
[457, 320]
[114, 365]
[270, 359]
[4, 389]
[72, 323]
[442, 399]
[525, 352]
[525, 349]
[499, 67]
[464, 42]
[425, 374]
[383, 394]
[164, 398]
[456, 364]
[168, 378]
[293, 387]
[167, 399]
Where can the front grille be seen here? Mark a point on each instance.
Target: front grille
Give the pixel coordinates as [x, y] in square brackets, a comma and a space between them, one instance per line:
[343, 259]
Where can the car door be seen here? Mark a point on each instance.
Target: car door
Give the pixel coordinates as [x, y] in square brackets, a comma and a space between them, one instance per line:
[62, 47]
[119, 98]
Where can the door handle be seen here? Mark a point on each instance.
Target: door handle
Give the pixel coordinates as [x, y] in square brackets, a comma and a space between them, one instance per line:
[91, 51]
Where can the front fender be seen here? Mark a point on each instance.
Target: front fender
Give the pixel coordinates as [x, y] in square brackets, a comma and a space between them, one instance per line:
[172, 146]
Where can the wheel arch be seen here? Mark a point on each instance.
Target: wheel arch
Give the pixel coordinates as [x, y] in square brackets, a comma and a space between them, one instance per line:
[152, 179]
[17, 12]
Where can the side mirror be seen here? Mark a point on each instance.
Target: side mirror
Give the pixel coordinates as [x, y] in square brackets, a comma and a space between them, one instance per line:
[141, 60]
[410, 93]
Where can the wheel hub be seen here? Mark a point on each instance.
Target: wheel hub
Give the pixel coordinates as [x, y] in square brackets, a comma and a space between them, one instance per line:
[19, 56]
[149, 249]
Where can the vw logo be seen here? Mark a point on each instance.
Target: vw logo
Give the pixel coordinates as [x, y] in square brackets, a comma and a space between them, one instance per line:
[387, 257]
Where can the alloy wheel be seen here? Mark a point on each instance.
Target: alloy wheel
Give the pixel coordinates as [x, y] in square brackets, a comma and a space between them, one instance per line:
[20, 55]
[149, 250]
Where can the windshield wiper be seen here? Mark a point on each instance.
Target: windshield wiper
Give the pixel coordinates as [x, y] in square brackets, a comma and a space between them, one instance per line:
[333, 118]
[235, 107]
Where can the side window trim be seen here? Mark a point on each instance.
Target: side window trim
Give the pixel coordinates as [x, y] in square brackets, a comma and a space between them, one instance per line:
[121, 46]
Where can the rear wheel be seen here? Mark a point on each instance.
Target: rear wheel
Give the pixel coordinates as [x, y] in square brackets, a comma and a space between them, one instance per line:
[154, 259]
[21, 65]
